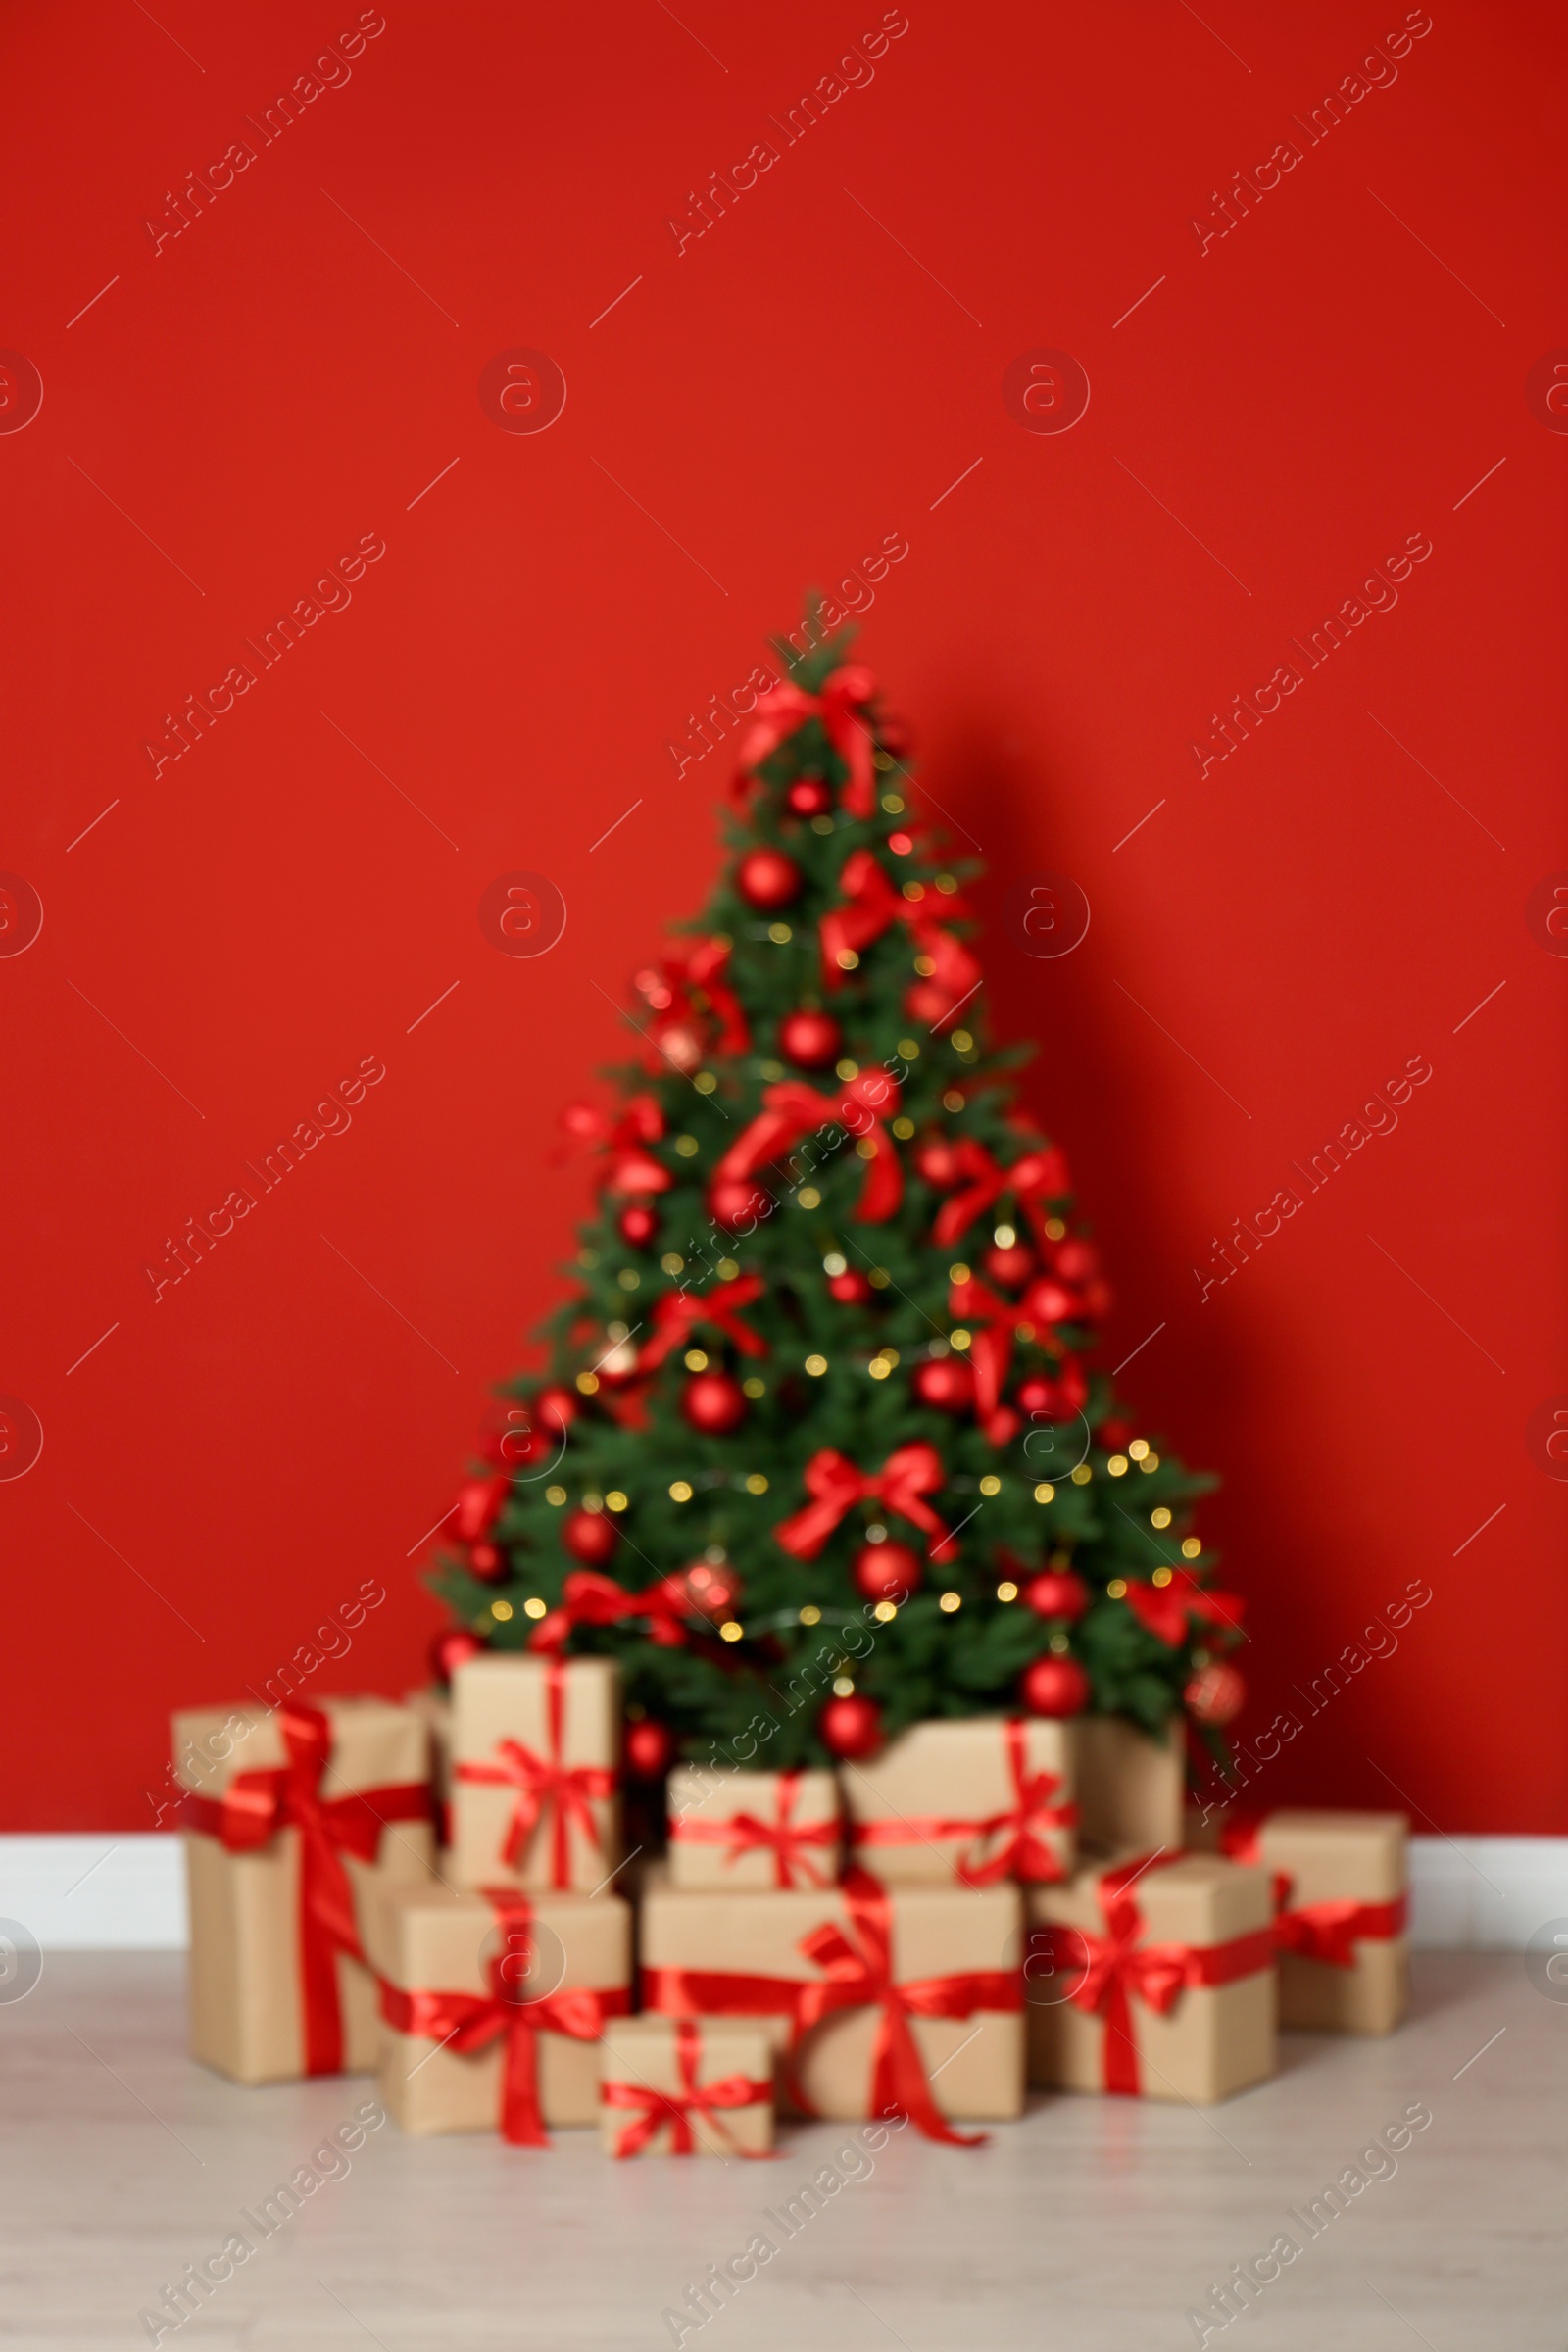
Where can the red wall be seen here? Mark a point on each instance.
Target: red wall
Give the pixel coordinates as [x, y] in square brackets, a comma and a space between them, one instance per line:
[1287, 407]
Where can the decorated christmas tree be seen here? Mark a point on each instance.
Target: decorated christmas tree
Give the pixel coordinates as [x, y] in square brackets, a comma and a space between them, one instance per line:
[823, 1449]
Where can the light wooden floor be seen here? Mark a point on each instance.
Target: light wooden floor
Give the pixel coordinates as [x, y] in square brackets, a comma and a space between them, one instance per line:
[1094, 2223]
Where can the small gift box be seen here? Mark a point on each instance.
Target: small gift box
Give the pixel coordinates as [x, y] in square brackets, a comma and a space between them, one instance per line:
[973, 1800]
[292, 1818]
[1340, 1913]
[492, 2004]
[881, 2001]
[535, 1748]
[685, 2088]
[1131, 1786]
[752, 1829]
[1152, 1976]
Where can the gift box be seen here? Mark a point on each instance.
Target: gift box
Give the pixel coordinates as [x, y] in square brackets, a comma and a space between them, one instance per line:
[973, 1800]
[293, 1816]
[1131, 1786]
[1340, 1912]
[1153, 1976]
[682, 2087]
[752, 1829]
[536, 1744]
[492, 2006]
[879, 2000]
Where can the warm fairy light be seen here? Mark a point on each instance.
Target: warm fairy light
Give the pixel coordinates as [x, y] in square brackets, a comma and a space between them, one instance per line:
[879, 1367]
[816, 1366]
[844, 1686]
[990, 1484]
[780, 934]
[614, 1500]
[846, 1069]
[866, 1148]
[1060, 1643]
[1082, 1475]
[1163, 1576]
[821, 824]
[704, 1082]
[1119, 1465]
[1056, 1230]
[953, 1100]
[629, 1279]
[1138, 1449]
[847, 961]
[588, 1383]
[680, 1492]
[1159, 1518]
[731, 1631]
[686, 1146]
[756, 1484]
[1116, 1589]
[1008, 1591]
[556, 1494]
[885, 1612]
[808, 1196]
[925, 966]
[754, 1388]
[915, 890]
[728, 1268]
[1005, 1237]
[947, 884]
[593, 1502]
[1192, 1546]
[695, 1360]
[962, 1041]
[949, 1603]
[1044, 1493]
[673, 1262]
[533, 1606]
[893, 805]
[903, 1128]
[835, 1263]
[878, 1277]
[501, 1611]
[910, 1049]
[876, 1532]
[959, 1338]
[1151, 1461]
[959, 1273]
[810, 1614]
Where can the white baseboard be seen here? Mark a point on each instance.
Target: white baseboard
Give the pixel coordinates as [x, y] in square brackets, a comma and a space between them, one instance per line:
[128, 1894]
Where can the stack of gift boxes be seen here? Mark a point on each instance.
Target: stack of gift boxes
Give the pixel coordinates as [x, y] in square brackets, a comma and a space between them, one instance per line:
[988, 1904]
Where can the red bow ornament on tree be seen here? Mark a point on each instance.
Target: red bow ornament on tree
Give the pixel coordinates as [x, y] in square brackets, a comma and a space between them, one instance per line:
[1164, 1609]
[1328, 1930]
[792, 1110]
[629, 1167]
[1035, 1181]
[546, 1785]
[994, 1324]
[785, 708]
[252, 1811]
[653, 2109]
[871, 905]
[836, 1485]
[678, 1312]
[688, 990]
[589, 1598]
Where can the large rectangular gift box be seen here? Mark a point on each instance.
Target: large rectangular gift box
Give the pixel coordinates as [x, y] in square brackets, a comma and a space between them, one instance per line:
[1153, 1977]
[535, 1751]
[878, 2000]
[685, 2087]
[1340, 1911]
[492, 2006]
[968, 1801]
[1131, 1786]
[752, 1829]
[293, 1817]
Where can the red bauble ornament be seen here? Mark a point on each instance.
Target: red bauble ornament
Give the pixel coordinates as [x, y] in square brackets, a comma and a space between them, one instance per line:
[850, 1728]
[650, 1748]
[1114, 1436]
[1009, 1266]
[713, 1590]
[936, 1161]
[638, 1225]
[487, 1563]
[590, 1537]
[1048, 1302]
[449, 1650]
[737, 1203]
[811, 1038]
[1056, 1593]
[1054, 1686]
[1055, 1399]
[769, 880]
[947, 1381]
[808, 795]
[851, 1288]
[556, 1409]
[714, 1403]
[1216, 1693]
[886, 1572]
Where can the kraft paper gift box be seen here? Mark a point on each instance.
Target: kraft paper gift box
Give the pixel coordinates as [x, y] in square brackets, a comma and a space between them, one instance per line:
[1131, 1786]
[1153, 1977]
[294, 1817]
[752, 1829]
[492, 2005]
[972, 1800]
[535, 1745]
[677, 2086]
[1339, 1895]
[818, 1965]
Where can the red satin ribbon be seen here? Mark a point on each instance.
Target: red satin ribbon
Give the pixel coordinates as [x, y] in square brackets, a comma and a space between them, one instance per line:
[1115, 1967]
[630, 1167]
[994, 1323]
[791, 1111]
[249, 1815]
[786, 707]
[1165, 1609]
[653, 2109]
[873, 905]
[1036, 1180]
[472, 2021]
[589, 1598]
[1026, 1852]
[546, 1784]
[859, 1967]
[834, 1485]
[785, 1837]
[1328, 1930]
[678, 1310]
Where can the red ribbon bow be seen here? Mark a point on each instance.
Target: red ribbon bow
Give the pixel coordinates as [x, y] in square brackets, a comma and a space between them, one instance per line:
[1327, 1930]
[1114, 1966]
[629, 1165]
[871, 905]
[678, 1310]
[995, 1322]
[1165, 1609]
[1025, 1851]
[787, 707]
[785, 1837]
[470, 2021]
[791, 1111]
[834, 1485]
[546, 1784]
[656, 2108]
[1036, 1180]
[589, 1598]
[694, 969]
[257, 1805]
